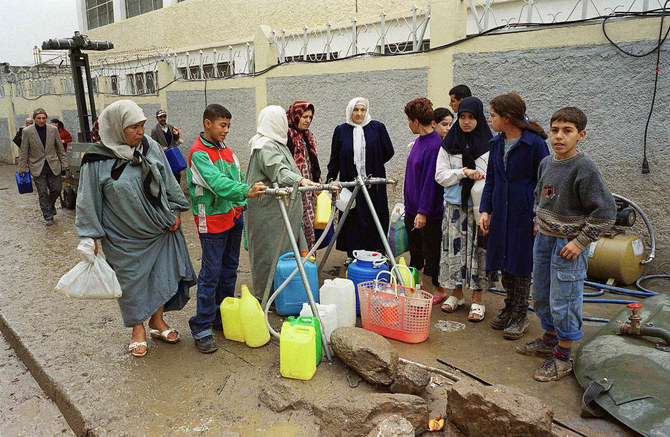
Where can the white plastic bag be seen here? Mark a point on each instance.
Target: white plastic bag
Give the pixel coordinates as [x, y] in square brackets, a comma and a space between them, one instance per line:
[92, 278]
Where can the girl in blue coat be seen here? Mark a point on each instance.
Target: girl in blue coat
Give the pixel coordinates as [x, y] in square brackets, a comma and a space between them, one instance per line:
[507, 206]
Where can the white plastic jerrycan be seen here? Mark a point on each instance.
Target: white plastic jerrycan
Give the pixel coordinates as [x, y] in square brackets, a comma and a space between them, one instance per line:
[327, 313]
[341, 293]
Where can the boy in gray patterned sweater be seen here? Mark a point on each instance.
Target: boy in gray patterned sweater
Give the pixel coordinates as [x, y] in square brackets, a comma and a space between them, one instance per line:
[573, 208]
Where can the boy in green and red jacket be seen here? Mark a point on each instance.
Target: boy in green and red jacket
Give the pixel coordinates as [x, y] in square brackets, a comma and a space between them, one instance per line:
[218, 196]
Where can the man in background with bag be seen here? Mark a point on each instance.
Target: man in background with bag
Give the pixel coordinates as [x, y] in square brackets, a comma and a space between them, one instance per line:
[42, 153]
[166, 135]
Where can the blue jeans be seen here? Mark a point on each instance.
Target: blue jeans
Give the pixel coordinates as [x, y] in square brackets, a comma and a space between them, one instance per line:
[558, 285]
[217, 277]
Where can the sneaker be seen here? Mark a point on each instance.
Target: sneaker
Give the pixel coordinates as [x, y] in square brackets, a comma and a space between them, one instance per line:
[49, 222]
[501, 320]
[517, 326]
[553, 369]
[536, 348]
[206, 345]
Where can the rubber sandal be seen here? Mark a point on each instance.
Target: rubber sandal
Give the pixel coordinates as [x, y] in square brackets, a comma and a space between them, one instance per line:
[155, 333]
[135, 345]
[453, 303]
[477, 310]
[437, 298]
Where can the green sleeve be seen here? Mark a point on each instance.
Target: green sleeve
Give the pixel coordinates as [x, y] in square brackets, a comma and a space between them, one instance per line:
[217, 182]
[275, 167]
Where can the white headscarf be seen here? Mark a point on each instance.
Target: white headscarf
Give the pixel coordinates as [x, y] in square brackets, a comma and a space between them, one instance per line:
[113, 120]
[359, 136]
[272, 125]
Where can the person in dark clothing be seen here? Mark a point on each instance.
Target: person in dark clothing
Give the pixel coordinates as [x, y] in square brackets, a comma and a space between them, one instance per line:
[17, 138]
[166, 135]
[361, 146]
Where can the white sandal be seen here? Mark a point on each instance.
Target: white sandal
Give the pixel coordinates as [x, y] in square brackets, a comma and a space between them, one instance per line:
[155, 333]
[453, 302]
[135, 345]
[477, 310]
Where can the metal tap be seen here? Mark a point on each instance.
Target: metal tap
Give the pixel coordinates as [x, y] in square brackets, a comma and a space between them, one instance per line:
[634, 323]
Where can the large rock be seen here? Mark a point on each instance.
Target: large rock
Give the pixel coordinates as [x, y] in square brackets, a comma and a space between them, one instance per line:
[478, 410]
[279, 397]
[369, 354]
[393, 426]
[357, 416]
[410, 379]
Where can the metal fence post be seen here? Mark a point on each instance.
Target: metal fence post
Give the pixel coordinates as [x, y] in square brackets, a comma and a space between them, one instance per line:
[215, 64]
[487, 12]
[529, 18]
[414, 41]
[304, 42]
[354, 37]
[231, 63]
[585, 7]
[328, 40]
[188, 66]
[201, 66]
[250, 61]
[382, 26]
[282, 58]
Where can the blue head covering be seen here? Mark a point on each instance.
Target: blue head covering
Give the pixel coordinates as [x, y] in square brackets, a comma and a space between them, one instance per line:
[469, 144]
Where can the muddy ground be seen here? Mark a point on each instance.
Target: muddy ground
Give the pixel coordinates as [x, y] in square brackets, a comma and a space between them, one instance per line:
[77, 352]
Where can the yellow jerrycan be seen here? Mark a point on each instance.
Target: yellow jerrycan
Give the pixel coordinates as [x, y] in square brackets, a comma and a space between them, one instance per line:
[323, 209]
[251, 316]
[230, 318]
[297, 359]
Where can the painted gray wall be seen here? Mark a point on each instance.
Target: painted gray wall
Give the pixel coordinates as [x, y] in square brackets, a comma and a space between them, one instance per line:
[70, 119]
[615, 93]
[20, 121]
[388, 92]
[185, 110]
[6, 143]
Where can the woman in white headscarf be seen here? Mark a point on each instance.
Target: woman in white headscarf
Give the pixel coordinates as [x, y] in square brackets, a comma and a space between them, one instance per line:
[361, 146]
[271, 162]
[129, 200]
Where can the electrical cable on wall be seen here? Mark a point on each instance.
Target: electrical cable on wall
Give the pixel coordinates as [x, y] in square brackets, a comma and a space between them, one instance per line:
[657, 49]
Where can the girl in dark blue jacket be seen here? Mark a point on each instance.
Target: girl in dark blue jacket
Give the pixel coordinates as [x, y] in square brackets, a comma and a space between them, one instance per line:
[507, 206]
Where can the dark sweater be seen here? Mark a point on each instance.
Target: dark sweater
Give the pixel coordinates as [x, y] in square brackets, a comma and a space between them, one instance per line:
[572, 200]
[423, 195]
[42, 132]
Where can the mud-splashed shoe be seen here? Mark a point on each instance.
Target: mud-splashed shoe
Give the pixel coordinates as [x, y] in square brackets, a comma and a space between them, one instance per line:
[553, 369]
[517, 326]
[48, 222]
[206, 345]
[536, 348]
[501, 320]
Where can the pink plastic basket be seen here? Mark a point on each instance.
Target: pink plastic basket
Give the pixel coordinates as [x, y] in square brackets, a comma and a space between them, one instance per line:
[395, 311]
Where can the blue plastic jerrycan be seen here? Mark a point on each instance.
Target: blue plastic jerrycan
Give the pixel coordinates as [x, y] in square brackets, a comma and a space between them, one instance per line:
[24, 183]
[176, 160]
[289, 301]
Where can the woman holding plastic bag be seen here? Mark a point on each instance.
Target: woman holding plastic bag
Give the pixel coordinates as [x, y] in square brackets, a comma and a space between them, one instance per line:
[129, 199]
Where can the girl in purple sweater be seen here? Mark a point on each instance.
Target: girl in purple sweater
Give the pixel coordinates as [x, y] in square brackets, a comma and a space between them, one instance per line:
[423, 196]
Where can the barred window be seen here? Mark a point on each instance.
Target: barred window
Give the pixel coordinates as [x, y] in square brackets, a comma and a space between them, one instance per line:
[99, 13]
[139, 7]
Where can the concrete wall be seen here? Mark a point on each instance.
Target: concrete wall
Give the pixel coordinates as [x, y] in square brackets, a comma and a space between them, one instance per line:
[615, 93]
[5, 152]
[388, 92]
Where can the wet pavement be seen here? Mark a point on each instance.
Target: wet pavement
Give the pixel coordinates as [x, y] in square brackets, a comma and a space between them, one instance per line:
[77, 350]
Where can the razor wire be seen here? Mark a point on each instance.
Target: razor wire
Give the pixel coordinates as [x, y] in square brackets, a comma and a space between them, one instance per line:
[484, 15]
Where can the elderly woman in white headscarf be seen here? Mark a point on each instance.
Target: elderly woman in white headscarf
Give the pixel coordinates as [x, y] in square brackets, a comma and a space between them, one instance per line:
[129, 200]
[362, 146]
[271, 162]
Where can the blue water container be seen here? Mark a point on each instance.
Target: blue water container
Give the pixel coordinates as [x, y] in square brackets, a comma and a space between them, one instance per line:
[326, 241]
[365, 268]
[176, 160]
[24, 182]
[289, 301]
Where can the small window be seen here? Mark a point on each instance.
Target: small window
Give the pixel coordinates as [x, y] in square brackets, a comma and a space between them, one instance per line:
[99, 13]
[139, 7]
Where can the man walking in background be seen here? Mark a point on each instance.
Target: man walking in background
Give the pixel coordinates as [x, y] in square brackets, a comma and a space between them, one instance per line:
[166, 135]
[42, 153]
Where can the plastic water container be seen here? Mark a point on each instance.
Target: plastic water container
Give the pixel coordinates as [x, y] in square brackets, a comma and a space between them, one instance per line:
[289, 301]
[328, 314]
[364, 269]
[323, 210]
[176, 160]
[230, 318]
[341, 293]
[409, 275]
[254, 327]
[326, 241]
[296, 351]
[24, 183]
[314, 323]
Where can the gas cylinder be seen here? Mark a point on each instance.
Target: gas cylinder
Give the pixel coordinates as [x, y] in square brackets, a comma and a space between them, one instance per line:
[342, 293]
[365, 268]
[296, 351]
[256, 332]
[617, 257]
[230, 319]
[289, 301]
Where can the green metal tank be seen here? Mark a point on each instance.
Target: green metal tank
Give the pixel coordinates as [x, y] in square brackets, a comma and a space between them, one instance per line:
[618, 257]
